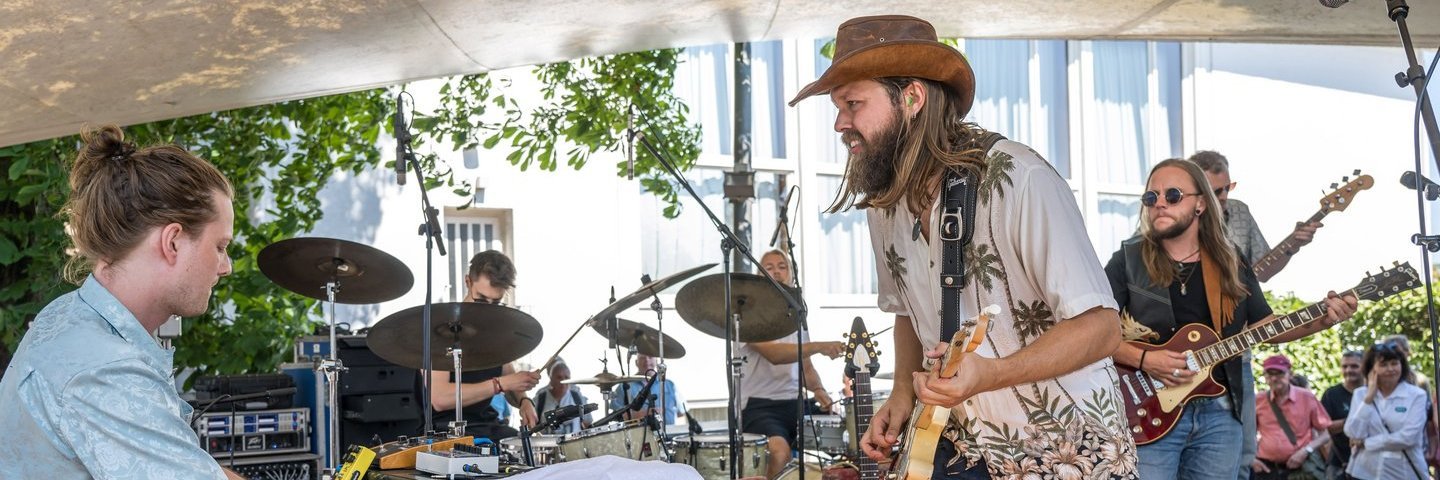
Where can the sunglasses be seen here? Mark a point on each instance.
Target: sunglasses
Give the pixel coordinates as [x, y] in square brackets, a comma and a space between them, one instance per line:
[491, 301]
[1222, 190]
[1172, 196]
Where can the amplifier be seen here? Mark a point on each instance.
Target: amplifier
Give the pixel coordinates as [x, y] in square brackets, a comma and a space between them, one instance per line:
[380, 407]
[262, 432]
[213, 387]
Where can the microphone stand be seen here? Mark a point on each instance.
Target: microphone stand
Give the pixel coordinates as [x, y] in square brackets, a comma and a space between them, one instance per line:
[728, 242]
[800, 337]
[434, 241]
[1416, 77]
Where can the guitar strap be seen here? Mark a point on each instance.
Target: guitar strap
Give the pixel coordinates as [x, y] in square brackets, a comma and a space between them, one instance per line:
[1222, 306]
[957, 226]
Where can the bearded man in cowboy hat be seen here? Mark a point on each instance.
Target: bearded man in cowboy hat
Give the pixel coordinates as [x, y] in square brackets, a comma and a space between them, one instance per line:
[1038, 396]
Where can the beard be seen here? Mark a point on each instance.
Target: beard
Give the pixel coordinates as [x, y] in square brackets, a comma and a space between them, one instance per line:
[872, 170]
[1174, 230]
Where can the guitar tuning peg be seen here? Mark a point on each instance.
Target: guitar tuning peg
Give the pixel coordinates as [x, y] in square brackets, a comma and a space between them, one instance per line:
[1357, 172]
[1345, 179]
[1396, 263]
[1334, 186]
[1367, 273]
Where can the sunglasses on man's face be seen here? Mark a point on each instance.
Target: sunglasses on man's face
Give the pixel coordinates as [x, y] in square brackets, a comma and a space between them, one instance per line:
[1227, 188]
[1172, 196]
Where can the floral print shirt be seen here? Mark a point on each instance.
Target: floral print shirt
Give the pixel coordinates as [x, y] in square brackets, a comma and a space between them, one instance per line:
[1031, 256]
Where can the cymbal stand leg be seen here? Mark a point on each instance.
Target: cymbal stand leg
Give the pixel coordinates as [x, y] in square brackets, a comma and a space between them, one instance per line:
[660, 318]
[457, 427]
[330, 368]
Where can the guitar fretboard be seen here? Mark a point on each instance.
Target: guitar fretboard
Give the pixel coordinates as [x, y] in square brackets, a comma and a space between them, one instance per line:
[1263, 267]
[1241, 342]
[864, 409]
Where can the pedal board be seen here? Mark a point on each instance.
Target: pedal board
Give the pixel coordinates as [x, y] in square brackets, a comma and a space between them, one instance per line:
[461, 460]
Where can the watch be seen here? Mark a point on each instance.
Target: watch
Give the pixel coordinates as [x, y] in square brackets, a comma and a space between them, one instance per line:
[1309, 449]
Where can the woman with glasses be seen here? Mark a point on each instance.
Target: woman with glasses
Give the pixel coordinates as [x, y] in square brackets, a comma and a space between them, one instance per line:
[1386, 425]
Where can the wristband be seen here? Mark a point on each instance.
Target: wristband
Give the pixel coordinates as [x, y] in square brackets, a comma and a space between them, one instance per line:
[498, 387]
[1142, 360]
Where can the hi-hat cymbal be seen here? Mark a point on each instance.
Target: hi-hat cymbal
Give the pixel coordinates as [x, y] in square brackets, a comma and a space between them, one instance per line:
[489, 335]
[764, 314]
[364, 274]
[605, 380]
[641, 338]
[649, 290]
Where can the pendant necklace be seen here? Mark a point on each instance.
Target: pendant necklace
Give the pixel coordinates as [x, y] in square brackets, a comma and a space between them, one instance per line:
[1180, 266]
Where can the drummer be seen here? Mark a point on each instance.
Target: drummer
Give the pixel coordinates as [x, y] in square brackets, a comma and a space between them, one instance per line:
[674, 403]
[490, 277]
[767, 388]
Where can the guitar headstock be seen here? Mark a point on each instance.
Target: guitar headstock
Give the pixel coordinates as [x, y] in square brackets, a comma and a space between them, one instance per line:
[1400, 278]
[1339, 199]
[970, 336]
[860, 350]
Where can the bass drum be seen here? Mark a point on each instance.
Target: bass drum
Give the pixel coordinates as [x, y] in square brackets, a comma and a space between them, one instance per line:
[634, 440]
[709, 454]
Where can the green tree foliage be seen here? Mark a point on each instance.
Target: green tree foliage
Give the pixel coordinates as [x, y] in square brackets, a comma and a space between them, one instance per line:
[281, 156]
[1318, 356]
[587, 106]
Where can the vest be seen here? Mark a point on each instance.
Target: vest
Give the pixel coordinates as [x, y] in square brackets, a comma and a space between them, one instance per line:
[1150, 305]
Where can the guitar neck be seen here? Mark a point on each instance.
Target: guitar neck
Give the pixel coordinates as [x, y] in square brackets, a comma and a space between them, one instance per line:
[1240, 343]
[1268, 265]
[864, 409]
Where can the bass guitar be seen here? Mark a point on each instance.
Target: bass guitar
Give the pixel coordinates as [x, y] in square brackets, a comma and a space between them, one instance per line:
[1336, 201]
[1152, 408]
[915, 456]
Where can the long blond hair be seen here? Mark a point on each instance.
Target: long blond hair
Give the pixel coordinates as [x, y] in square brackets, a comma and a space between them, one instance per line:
[1163, 271]
[935, 140]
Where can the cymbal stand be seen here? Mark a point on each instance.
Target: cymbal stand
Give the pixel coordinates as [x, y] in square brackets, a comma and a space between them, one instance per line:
[457, 427]
[657, 307]
[330, 368]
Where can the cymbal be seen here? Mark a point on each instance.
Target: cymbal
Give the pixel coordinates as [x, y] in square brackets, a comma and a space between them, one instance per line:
[605, 380]
[364, 274]
[641, 338]
[763, 311]
[489, 335]
[650, 289]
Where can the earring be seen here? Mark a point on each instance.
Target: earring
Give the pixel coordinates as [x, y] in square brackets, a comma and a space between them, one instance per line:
[1199, 212]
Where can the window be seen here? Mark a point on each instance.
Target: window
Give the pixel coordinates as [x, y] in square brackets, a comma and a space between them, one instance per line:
[849, 265]
[705, 80]
[468, 232]
[671, 245]
[1021, 92]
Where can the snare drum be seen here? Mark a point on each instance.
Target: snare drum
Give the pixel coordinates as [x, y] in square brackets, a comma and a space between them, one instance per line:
[634, 440]
[826, 433]
[711, 454]
[545, 447]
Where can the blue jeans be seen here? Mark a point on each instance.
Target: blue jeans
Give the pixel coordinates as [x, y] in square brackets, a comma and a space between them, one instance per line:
[1204, 445]
[1247, 416]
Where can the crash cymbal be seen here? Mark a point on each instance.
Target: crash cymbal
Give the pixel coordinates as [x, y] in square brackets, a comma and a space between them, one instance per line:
[641, 338]
[489, 335]
[763, 311]
[605, 380]
[650, 289]
[364, 274]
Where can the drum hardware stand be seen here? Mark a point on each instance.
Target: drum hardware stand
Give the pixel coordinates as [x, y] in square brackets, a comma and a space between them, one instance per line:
[525, 445]
[330, 368]
[457, 427]
[657, 307]
[728, 243]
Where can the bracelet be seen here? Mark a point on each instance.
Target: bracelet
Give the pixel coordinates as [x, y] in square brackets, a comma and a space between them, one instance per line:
[1142, 360]
[498, 387]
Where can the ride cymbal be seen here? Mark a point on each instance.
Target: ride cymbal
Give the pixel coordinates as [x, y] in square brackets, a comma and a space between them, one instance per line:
[649, 290]
[489, 335]
[641, 338]
[764, 314]
[363, 274]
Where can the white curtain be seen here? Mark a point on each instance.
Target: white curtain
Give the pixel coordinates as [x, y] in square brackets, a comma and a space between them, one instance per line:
[1114, 112]
[1002, 87]
[845, 245]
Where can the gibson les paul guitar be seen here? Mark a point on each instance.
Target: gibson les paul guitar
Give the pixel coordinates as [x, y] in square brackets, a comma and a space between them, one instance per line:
[1152, 408]
[915, 457]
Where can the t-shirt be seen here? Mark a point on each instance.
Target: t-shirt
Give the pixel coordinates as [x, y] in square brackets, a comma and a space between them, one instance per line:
[762, 379]
[1336, 401]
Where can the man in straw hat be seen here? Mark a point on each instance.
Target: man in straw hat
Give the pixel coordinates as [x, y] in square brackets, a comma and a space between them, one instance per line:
[1038, 395]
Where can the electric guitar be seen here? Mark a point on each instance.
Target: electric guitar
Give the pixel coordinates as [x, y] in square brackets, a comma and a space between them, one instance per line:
[1336, 201]
[862, 361]
[915, 458]
[1152, 408]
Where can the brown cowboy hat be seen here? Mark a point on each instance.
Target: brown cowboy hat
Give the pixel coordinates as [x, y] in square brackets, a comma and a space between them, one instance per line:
[893, 46]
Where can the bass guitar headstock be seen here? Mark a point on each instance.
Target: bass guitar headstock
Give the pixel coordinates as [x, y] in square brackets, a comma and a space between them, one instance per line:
[1340, 197]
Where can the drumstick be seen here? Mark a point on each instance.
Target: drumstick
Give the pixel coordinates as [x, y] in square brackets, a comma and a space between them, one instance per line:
[552, 359]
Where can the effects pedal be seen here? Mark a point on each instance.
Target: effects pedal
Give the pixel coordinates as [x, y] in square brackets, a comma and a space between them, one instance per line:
[356, 462]
[460, 460]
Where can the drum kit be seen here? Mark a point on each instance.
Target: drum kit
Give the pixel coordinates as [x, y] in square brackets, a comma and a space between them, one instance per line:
[472, 336]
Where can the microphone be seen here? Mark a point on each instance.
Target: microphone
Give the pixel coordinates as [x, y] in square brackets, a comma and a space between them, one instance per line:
[1432, 190]
[1333, 3]
[564, 414]
[635, 136]
[402, 138]
[784, 220]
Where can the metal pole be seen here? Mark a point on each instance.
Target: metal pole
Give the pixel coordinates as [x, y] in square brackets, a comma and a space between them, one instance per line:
[740, 181]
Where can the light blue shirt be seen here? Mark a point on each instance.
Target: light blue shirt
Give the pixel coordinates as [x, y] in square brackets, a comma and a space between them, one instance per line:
[89, 394]
[674, 404]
